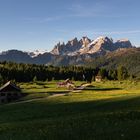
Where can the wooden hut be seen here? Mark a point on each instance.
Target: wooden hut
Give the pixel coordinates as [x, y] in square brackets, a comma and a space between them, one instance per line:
[9, 92]
[98, 78]
[67, 83]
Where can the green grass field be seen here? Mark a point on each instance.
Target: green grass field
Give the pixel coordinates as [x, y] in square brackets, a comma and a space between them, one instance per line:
[103, 111]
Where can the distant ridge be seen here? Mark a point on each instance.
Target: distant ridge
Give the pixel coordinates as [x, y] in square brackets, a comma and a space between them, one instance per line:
[73, 52]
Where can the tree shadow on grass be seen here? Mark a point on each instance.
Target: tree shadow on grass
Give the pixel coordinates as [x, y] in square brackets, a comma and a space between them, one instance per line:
[58, 92]
[101, 89]
[47, 92]
[107, 118]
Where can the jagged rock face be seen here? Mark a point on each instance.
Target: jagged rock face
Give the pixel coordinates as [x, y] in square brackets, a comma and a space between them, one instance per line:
[101, 45]
[85, 41]
[57, 49]
[123, 43]
[71, 47]
[98, 45]
[104, 43]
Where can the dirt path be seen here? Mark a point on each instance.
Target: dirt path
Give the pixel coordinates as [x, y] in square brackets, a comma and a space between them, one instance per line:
[36, 99]
[57, 95]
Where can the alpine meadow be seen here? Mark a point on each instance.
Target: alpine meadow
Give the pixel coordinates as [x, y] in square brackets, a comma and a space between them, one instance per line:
[69, 70]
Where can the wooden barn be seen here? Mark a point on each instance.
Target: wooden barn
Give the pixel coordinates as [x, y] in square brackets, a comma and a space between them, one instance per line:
[9, 92]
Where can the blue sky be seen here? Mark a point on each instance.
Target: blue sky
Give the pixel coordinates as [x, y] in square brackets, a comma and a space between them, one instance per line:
[39, 24]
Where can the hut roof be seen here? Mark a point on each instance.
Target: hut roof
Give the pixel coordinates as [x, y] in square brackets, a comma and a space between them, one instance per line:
[9, 84]
[98, 76]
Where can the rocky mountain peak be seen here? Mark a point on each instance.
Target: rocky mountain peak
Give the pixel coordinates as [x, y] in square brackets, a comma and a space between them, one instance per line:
[73, 42]
[71, 47]
[102, 39]
[99, 45]
[123, 43]
[85, 41]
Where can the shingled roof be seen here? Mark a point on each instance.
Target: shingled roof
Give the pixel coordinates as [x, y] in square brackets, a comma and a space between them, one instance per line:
[9, 84]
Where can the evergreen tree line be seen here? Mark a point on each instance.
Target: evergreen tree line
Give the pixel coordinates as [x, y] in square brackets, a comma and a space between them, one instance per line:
[31, 72]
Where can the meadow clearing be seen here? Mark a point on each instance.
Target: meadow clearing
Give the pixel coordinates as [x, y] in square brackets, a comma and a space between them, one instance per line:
[108, 110]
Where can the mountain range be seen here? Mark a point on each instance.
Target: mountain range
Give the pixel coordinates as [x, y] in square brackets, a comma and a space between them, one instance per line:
[73, 52]
[101, 45]
[101, 52]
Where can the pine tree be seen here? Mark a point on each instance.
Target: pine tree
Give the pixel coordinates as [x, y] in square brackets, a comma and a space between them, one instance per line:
[122, 73]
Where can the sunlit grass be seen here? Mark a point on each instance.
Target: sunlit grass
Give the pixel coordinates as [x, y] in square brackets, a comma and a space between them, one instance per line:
[105, 110]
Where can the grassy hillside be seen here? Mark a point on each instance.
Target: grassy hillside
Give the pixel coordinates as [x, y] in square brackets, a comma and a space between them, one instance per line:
[103, 111]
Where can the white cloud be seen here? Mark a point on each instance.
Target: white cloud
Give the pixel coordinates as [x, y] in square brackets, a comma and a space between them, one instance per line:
[109, 32]
[98, 33]
[42, 19]
[78, 10]
[95, 9]
[125, 32]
